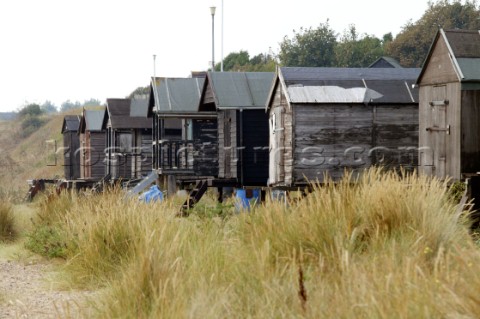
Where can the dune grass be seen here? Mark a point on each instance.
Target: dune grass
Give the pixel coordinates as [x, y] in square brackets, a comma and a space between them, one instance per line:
[385, 246]
[8, 230]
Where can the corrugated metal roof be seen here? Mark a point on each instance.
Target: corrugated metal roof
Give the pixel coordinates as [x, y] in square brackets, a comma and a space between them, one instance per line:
[328, 94]
[139, 107]
[94, 120]
[240, 89]
[71, 123]
[393, 84]
[470, 68]
[177, 95]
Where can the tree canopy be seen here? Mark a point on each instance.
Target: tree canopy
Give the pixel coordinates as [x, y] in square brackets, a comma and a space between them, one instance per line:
[410, 47]
[309, 47]
[322, 47]
[241, 62]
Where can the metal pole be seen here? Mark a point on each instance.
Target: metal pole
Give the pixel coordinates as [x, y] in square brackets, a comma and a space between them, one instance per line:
[213, 40]
[221, 53]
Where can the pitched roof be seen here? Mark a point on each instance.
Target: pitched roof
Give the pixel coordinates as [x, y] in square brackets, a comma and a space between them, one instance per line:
[385, 62]
[119, 115]
[139, 107]
[352, 85]
[240, 89]
[71, 123]
[92, 120]
[464, 49]
[175, 95]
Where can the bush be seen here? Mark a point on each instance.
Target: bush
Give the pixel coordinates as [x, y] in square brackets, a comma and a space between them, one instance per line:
[30, 124]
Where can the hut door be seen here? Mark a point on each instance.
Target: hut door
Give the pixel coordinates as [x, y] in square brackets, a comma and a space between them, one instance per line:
[227, 143]
[277, 173]
[439, 130]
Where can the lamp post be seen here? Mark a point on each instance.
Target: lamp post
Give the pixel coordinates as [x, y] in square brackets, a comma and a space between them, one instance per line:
[221, 52]
[212, 11]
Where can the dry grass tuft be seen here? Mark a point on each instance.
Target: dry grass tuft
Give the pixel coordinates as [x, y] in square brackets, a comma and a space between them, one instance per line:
[8, 231]
[383, 246]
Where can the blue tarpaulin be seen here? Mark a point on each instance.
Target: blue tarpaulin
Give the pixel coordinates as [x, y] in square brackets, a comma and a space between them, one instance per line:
[153, 194]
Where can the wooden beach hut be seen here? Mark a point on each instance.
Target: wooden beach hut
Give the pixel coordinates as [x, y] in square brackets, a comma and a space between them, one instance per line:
[71, 146]
[238, 99]
[184, 139]
[128, 153]
[92, 132]
[449, 86]
[326, 120]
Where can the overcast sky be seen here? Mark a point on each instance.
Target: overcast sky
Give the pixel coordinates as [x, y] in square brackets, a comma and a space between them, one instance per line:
[61, 49]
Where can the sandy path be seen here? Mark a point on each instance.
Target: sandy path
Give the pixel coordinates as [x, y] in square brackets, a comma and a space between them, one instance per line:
[26, 292]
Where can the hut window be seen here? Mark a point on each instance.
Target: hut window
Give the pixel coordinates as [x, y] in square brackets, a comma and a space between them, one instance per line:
[124, 142]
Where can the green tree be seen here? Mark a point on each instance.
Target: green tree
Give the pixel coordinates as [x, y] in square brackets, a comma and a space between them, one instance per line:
[234, 61]
[141, 90]
[410, 47]
[48, 107]
[32, 109]
[309, 47]
[355, 51]
[31, 116]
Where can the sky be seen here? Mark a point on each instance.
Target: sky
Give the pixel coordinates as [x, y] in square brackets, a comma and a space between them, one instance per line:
[60, 50]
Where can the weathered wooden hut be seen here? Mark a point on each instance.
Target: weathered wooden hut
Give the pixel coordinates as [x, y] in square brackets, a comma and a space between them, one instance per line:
[71, 146]
[326, 120]
[185, 140]
[449, 86]
[92, 132]
[128, 139]
[239, 99]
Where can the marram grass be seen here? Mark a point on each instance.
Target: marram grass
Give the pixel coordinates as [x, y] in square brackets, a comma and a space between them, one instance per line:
[8, 231]
[383, 246]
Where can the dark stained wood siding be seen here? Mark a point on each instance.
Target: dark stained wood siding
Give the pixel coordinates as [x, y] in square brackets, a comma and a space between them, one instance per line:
[146, 153]
[227, 144]
[97, 155]
[205, 139]
[71, 144]
[253, 164]
[470, 132]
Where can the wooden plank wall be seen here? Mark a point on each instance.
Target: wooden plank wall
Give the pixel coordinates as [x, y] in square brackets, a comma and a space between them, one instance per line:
[71, 144]
[254, 153]
[470, 132]
[97, 155]
[146, 158]
[396, 136]
[453, 119]
[331, 138]
[82, 155]
[205, 161]
[227, 151]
